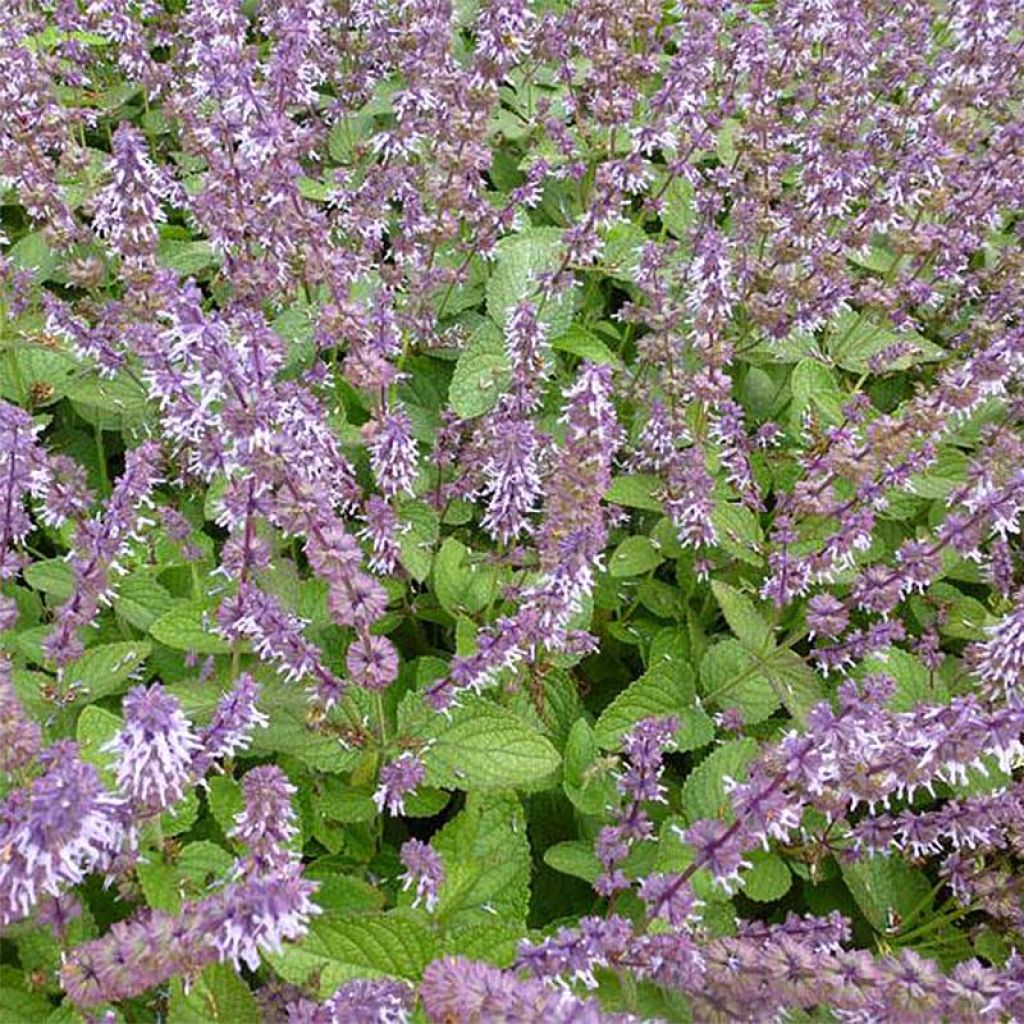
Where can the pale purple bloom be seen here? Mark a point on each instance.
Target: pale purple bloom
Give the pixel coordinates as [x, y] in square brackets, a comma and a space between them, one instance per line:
[424, 870]
[267, 824]
[398, 779]
[999, 661]
[372, 661]
[230, 729]
[393, 454]
[56, 831]
[363, 1001]
[20, 737]
[155, 748]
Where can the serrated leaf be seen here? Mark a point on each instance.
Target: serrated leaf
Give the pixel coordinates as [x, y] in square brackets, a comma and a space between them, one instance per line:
[520, 258]
[462, 584]
[855, 339]
[30, 252]
[340, 947]
[217, 996]
[738, 531]
[481, 373]
[574, 858]
[224, 795]
[733, 677]
[486, 857]
[496, 942]
[141, 600]
[678, 212]
[634, 555]
[102, 670]
[703, 794]
[662, 690]
[190, 627]
[417, 538]
[743, 617]
[52, 576]
[110, 403]
[814, 389]
[186, 257]
[767, 879]
[579, 341]
[883, 887]
[484, 746]
[587, 782]
[290, 731]
[637, 491]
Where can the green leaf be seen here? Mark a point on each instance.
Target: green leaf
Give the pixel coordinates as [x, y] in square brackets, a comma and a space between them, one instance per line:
[587, 782]
[520, 259]
[484, 746]
[417, 538]
[340, 947]
[814, 389]
[102, 670]
[678, 213]
[636, 491]
[95, 728]
[185, 257]
[486, 857]
[52, 576]
[496, 942]
[462, 584]
[224, 795]
[579, 341]
[141, 600]
[217, 996]
[109, 403]
[634, 556]
[31, 252]
[703, 794]
[884, 887]
[574, 858]
[738, 531]
[855, 339]
[190, 627]
[767, 879]
[734, 677]
[743, 617]
[481, 373]
[289, 731]
[662, 690]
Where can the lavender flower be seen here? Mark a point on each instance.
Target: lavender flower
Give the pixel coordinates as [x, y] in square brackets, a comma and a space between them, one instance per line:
[372, 661]
[267, 824]
[393, 454]
[231, 727]
[20, 737]
[999, 661]
[155, 749]
[56, 831]
[381, 1001]
[423, 869]
[456, 989]
[398, 779]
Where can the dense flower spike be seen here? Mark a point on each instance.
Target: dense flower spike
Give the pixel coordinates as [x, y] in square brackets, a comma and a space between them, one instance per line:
[56, 831]
[423, 869]
[154, 749]
[267, 825]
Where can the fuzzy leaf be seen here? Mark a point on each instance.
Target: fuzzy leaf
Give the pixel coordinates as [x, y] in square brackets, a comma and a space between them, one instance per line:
[486, 747]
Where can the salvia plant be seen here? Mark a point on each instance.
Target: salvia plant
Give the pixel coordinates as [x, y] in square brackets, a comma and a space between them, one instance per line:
[510, 510]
